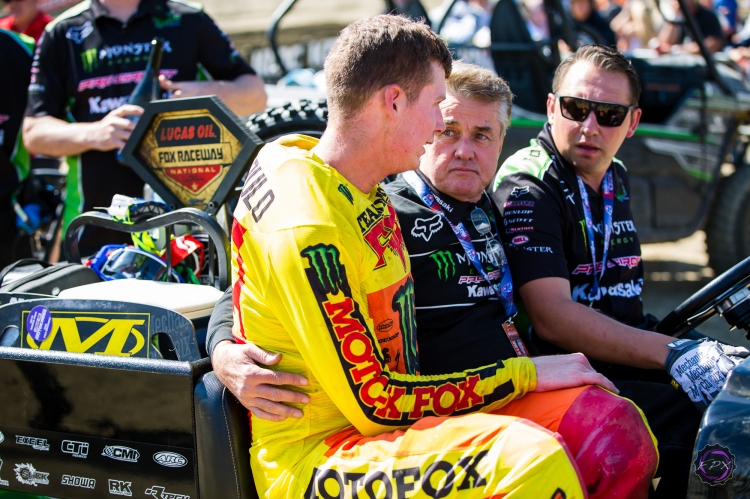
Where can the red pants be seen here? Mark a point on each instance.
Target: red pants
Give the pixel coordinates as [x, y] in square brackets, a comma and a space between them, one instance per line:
[607, 435]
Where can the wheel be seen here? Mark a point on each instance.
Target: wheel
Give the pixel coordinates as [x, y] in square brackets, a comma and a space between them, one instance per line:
[304, 117]
[727, 295]
[728, 228]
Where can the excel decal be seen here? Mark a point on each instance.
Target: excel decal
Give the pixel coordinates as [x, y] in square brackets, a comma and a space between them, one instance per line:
[190, 151]
[105, 333]
[385, 397]
[381, 229]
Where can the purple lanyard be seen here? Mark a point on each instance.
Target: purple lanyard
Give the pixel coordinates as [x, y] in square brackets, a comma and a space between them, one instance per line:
[608, 193]
[504, 288]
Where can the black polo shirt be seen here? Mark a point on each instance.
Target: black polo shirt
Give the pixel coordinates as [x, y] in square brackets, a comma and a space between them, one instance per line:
[16, 52]
[88, 63]
[545, 232]
[459, 318]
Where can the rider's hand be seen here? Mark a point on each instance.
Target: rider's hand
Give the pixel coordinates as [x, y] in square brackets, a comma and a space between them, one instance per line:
[556, 372]
[701, 367]
[187, 88]
[255, 387]
[112, 131]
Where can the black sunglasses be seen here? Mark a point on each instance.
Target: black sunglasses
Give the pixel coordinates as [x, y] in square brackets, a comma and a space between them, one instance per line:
[606, 113]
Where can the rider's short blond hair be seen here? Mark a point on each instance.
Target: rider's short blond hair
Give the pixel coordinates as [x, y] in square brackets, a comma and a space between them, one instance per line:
[475, 82]
[378, 51]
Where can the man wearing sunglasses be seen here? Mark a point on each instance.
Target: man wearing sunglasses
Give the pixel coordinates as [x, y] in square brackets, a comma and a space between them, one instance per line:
[566, 206]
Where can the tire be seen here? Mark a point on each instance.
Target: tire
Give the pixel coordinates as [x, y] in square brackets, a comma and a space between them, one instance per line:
[304, 117]
[728, 228]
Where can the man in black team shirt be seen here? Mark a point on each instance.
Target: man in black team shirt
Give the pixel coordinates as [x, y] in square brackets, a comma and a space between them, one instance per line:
[14, 159]
[87, 64]
[460, 321]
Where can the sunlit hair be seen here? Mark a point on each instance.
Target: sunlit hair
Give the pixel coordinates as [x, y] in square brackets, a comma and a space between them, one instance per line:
[606, 58]
[475, 82]
[378, 51]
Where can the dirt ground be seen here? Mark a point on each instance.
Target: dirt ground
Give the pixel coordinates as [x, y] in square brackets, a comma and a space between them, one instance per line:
[674, 271]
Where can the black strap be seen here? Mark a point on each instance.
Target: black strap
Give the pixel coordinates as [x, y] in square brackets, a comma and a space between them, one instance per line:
[23, 261]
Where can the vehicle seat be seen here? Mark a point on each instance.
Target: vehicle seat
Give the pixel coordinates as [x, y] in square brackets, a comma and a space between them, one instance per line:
[666, 81]
[528, 74]
[223, 442]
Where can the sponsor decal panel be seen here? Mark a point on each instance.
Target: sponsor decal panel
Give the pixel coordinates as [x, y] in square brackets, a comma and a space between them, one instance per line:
[34, 443]
[78, 481]
[75, 449]
[714, 464]
[170, 459]
[28, 475]
[120, 488]
[121, 453]
[159, 493]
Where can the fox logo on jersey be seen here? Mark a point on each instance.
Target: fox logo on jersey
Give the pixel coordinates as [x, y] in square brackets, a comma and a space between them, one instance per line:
[79, 33]
[426, 227]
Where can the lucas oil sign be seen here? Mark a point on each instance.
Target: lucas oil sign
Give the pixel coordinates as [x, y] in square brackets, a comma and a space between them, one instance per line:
[190, 152]
[105, 333]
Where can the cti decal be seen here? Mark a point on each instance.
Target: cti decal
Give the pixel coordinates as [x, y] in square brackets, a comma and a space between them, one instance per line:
[381, 229]
[403, 481]
[384, 399]
[426, 227]
[75, 449]
[123, 335]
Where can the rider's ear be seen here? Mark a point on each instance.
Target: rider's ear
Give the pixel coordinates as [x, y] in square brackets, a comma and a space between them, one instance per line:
[551, 108]
[395, 99]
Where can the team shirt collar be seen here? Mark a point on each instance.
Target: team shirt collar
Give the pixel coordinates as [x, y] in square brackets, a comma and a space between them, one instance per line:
[566, 170]
[454, 209]
[145, 8]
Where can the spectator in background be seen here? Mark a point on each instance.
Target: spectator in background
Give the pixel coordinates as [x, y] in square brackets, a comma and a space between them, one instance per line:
[468, 22]
[24, 17]
[584, 13]
[637, 25]
[675, 37]
[536, 19]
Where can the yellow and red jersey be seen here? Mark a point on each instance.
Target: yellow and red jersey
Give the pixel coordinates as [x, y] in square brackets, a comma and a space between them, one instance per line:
[322, 276]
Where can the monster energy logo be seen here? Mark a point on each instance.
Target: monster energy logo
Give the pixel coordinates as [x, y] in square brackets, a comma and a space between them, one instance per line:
[346, 192]
[403, 303]
[583, 230]
[90, 60]
[446, 264]
[326, 261]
